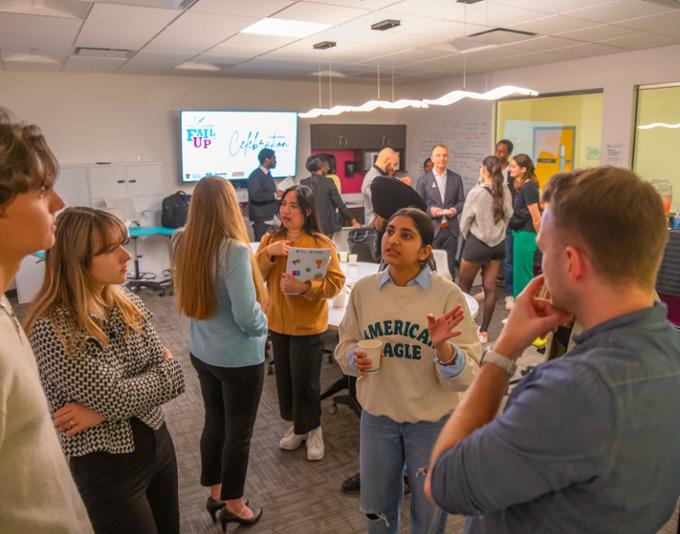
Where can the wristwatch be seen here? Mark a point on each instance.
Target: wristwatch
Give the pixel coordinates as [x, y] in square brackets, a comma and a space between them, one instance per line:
[489, 356]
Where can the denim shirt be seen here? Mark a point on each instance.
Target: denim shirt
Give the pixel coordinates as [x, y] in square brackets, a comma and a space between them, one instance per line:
[587, 443]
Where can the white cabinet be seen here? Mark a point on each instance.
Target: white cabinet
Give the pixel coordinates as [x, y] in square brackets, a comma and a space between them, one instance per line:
[124, 181]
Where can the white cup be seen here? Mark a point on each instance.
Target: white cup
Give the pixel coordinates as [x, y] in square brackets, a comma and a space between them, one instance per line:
[373, 349]
[339, 300]
[343, 255]
[353, 259]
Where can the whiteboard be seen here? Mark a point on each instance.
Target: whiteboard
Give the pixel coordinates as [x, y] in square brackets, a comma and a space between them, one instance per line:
[466, 128]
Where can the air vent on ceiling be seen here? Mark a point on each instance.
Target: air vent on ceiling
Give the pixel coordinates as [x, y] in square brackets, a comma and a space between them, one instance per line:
[503, 31]
[324, 45]
[385, 25]
[107, 53]
[490, 39]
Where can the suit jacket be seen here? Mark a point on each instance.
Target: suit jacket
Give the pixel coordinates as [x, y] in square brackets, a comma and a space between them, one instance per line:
[454, 197]
[262, 203]
[328, 203]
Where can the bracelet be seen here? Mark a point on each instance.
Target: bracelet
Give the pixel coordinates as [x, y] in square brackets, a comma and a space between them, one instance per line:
[447, 362]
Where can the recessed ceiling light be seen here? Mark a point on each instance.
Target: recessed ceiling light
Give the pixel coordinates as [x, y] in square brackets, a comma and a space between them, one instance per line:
[31, 58]
[191, 65]
[284, 28]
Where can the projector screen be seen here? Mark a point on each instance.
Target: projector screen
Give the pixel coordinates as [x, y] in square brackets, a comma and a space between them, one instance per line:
[226, 143]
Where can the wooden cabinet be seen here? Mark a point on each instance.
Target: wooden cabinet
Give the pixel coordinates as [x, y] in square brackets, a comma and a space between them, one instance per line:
[357, 136]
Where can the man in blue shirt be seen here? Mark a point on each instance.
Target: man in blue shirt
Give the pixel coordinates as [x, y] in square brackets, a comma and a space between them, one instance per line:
[588, 442]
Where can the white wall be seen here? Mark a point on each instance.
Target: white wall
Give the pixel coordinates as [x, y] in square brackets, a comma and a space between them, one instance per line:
[617, 74]
[109, 117]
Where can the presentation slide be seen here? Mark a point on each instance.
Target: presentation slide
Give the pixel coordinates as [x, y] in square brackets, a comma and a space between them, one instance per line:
[226, 143]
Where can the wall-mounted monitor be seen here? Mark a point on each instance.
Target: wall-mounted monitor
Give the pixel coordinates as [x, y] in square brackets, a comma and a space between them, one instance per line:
[226, 143]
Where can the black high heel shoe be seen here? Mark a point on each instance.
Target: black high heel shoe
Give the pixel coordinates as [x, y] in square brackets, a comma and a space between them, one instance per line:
[213, 506]
[228, 517]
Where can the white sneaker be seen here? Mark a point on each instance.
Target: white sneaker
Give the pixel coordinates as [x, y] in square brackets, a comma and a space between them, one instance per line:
[509, 302]
[291, 441]
[479, 297]
[315, 447]
[483, 337]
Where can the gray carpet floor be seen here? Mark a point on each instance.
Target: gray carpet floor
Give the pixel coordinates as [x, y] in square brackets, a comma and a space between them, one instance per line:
[298, 497]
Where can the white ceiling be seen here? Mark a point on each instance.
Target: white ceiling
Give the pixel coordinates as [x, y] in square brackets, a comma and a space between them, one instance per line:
[161, 34]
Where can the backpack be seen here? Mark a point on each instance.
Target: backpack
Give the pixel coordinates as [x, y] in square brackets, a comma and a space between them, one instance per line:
[363, 242]
[175, 209]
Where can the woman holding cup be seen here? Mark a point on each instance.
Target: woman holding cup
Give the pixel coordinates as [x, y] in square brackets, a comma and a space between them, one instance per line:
[409, 337]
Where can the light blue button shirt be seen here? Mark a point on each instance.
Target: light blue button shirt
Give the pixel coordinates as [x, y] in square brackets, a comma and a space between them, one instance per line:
[236, 335]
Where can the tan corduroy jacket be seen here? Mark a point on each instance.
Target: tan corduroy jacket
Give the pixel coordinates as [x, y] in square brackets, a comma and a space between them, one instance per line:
[299, 315]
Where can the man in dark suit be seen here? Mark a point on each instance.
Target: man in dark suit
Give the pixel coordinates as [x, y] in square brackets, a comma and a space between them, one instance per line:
[443, 193]
[262, 193]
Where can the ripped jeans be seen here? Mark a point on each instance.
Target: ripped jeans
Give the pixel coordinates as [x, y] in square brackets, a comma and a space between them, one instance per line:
[385, 447]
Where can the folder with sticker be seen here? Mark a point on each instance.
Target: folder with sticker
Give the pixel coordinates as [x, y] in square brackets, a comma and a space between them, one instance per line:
[307, 264]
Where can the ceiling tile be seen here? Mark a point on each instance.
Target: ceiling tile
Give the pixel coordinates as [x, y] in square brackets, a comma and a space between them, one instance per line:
[588, 49]
[598, 33]
[118, 26]
[617, 10]
[540, 43]
[196, 32]
[664, 23]
[259, 42]
[47, 35]
[313, 12]
[552, 6]
[643, 40]
[362, 4]
[553, 24]
[260, 8]
[303, 50]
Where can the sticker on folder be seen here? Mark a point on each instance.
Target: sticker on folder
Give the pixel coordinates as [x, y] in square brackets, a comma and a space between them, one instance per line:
[308, 263]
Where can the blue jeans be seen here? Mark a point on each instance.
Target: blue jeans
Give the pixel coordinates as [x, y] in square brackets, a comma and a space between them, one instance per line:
[385, 447]
[507, 263]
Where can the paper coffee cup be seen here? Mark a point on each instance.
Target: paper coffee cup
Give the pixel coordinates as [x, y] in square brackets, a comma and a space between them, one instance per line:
[373, 349]
[343, 255]
[353, 259]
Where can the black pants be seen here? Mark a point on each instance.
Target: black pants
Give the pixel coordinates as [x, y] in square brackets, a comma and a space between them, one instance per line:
[260, 228]
[231, 396]
[447, 241]
[133, 493]
[297, 361]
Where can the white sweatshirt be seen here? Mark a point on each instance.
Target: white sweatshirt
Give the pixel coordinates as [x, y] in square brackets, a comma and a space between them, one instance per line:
[408, 386]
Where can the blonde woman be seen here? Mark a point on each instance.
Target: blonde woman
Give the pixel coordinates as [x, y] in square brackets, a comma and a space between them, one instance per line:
[37, 493]
[219, 287]
[106, 375]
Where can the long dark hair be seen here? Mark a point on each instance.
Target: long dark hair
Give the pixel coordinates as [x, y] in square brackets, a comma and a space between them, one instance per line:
[305, 200]
[424, 227]
[493, 166]
[525, 161]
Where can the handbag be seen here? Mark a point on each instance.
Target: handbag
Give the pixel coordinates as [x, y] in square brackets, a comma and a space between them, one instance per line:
[363, 242]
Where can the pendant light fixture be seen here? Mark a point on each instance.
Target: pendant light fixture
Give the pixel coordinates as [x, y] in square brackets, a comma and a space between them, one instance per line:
[445, 100]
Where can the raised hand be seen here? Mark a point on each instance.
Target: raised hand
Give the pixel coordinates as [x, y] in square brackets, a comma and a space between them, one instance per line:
[531, 317]
[280, 248]
[442, 328]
